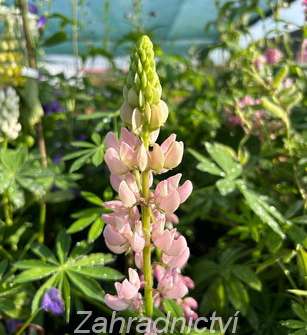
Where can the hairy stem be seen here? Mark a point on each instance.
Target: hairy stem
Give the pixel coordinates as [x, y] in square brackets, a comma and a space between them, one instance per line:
[146, 215]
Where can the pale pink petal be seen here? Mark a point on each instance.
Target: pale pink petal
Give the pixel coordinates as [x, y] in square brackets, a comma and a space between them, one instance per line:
[173, 157]
[126, 195]
[190, 302]
[111, 141]
[115, 165]
[161, 188]
[177, 261]
[172, 218]
[137, 242]
[115, 205]
[142, 158]
[134, 278]
[129, 138]
[153, 136]
[164, 241]
[174, 180]
[169, 203]
[138, 260]
[166, 144]
[127, 291]
[177, 246]
[115, 303]
[115, 180]
[189, 282]
[159, 272]
[185, 190]
[127, 155]
[178, 291]
[113, 236]
[156, 158]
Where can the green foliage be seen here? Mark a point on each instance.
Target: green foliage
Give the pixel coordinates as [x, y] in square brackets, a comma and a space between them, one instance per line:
[246, 220]
[68, 269]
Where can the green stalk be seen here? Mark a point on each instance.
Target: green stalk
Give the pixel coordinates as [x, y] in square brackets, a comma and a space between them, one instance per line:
[7, 209]
[146, 215]
[42, 220]
[31, 53]
[27, 323]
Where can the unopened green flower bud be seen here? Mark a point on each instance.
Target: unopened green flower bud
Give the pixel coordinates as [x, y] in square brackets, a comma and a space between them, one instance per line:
[132, 98]
[143, 72]
[143, 107]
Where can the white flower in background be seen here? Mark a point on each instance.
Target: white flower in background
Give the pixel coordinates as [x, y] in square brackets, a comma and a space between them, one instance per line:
[9, 113]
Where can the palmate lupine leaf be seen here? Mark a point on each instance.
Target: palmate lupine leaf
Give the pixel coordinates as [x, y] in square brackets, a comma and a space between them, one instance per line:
[14, 298]
[227, 280]
[67, 270]
[89, 217]
[19, 172]
[89, 152]
[223, 164]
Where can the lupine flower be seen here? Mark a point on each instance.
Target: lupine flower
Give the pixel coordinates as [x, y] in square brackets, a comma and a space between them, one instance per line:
[32, 8]
[171, 285]
[41, 22]
[57, 159]
[121, 155]
[169, 195]
[9, 113]
[127, 293]
[234, 120]
[189, 304]
[119, 236]
[174, 247]
[133, 159]
[12, 325]
[273, 56]
[52, 107]
[52, 302]
[248, 101]
[166, 156]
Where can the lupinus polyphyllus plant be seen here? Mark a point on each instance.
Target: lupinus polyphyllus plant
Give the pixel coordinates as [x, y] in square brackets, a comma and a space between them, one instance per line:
[142, 219]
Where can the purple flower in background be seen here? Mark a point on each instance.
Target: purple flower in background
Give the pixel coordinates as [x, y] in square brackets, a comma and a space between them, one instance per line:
[273, 56]
[52, 107]
[32, 8]
[42, 20]
[12, 325]
[81, 137]
[52, 302]
[57, 159]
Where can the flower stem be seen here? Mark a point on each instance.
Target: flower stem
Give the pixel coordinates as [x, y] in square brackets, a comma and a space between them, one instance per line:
[32, 62]
[42, 220]
[28, 322]
[148, 281]
[7, 209]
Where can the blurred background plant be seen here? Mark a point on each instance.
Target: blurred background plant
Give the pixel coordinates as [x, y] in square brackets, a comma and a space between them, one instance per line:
[244, 124]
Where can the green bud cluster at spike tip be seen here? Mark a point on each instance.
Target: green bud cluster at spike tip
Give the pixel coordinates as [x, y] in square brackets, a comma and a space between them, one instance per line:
[142, 105]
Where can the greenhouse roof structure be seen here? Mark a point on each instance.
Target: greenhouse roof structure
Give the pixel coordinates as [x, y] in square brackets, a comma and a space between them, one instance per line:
[175, 24]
